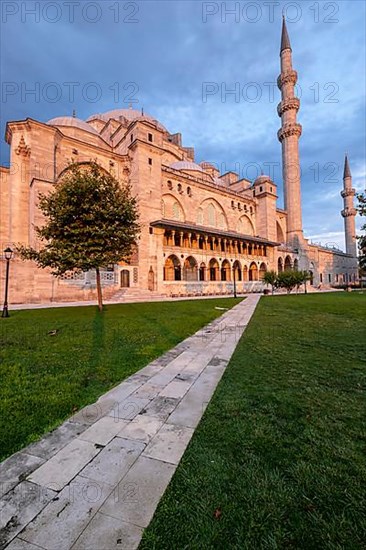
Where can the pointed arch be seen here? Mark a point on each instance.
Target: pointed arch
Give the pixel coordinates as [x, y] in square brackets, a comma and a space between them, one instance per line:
[213, 214]
[288, 264]
[214, 270]
[225, 271]
[253, 272]
[245, 225]
[173, 208]
[237, 271]
[280, 233]
[279, 265]
[172, 269]
[190, 269]
[262, 270]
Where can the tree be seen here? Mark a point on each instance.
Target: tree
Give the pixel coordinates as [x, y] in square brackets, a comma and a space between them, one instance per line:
[270, 278]
[287, 279]
[91, 222]
[362, 239]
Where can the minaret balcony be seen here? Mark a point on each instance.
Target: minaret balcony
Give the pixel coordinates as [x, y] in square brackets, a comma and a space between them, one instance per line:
[287, 105]
[348, 192]
[289, 129]
[287, 77]
[349, 212]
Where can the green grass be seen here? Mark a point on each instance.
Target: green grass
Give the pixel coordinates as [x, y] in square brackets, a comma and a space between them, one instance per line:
[44, 378]
[278, 460]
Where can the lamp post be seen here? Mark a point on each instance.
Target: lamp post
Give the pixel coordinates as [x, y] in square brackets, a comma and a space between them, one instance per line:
[8, 254]
[234, 280]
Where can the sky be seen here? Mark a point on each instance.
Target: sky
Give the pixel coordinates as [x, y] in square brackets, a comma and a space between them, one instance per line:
[207, 70]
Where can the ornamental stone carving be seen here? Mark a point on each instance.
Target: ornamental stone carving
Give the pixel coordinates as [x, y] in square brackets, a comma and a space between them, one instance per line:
[348, 192]
[289, 129]
[349, 212]
[287, 105]
[23, 149]
[286, 78]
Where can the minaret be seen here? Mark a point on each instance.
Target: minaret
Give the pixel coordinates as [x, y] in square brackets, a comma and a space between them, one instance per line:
[349, 211]
[288, 136]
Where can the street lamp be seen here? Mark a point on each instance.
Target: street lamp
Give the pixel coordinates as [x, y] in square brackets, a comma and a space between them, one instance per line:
[8, 254]
[234, 268]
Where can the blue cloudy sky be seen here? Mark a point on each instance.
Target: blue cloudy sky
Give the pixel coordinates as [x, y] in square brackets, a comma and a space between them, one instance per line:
[166, 55]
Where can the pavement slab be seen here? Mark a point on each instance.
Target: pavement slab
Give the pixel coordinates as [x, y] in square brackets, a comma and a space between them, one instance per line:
[107, 533]
[63, 520]
[138, 494]
[114, 461]
[65, 465]
[94, 483]
[16, 468]
[19, 507]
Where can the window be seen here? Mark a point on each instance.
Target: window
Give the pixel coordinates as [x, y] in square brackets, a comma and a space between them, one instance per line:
[337, 278]
[150, 162]
[271, 189]
[176, 211]
[261, 189]
[131, 137]
[211, 215]
[150, 137]
[151, 230]
[329, 278]
[321, 277]
[232, 204]
[189, 191]
[179, 187]
[200, 216]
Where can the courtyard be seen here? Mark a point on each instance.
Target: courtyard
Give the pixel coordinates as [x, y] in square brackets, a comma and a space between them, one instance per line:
[277, 461]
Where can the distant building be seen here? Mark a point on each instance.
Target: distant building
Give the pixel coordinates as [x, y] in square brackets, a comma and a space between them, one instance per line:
[201, 229]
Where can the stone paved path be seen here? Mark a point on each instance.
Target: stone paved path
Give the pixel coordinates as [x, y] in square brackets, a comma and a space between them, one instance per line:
[95, 482]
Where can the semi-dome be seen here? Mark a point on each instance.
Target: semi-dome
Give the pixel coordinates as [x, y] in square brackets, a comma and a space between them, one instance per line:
[129, 114]
[186, 165]
[72, 121]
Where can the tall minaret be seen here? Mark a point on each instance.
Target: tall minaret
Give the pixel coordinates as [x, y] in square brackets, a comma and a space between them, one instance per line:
[288, 135]
[349, 211]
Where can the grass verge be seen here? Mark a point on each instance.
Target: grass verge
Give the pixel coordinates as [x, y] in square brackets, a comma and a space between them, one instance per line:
[55, 361]
[278, 460]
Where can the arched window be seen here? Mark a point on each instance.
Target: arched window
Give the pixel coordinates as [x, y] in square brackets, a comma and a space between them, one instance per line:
[225, 271]
[200, 216]
[296, 264]
[176, 211]
[214, 270]
[190, 270]
[202, 272]
[279, 265]
[245, 273]
[172, 269]
[211, 215]
[253, 272]
[237, 270]
[222, 223]
[262, 270]
[288, 264]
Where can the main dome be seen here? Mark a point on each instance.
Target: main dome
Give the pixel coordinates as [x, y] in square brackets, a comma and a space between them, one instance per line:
[129, 114]
[72, 121]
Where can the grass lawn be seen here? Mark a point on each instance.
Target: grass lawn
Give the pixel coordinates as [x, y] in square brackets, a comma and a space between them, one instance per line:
[278, 460]
[44, 378]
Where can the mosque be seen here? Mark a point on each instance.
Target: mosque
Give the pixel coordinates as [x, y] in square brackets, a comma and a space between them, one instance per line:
[202, 231]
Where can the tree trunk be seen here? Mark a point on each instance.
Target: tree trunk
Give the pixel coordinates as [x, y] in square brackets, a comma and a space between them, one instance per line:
[99, 290]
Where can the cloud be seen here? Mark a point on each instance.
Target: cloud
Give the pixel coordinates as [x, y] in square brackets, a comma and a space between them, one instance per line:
[171, 52]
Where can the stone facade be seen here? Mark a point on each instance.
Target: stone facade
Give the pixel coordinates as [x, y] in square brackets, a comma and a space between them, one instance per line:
[202, 232]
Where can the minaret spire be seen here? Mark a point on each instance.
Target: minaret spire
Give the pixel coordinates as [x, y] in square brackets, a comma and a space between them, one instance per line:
[347, 170]
[288, 136]
[349, 211]
[285, 41]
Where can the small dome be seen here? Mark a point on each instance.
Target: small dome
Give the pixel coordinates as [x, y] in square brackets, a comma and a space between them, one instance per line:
[263, 179]
[129, 114]
[186, 165]
[72, 121]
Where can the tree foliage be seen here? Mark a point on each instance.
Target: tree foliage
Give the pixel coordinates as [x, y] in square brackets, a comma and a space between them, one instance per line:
[270, 278]
[91, 222]
[288, 279]
[362, 239]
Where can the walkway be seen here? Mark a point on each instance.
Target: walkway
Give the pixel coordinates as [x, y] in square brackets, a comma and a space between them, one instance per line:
[95, 482]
